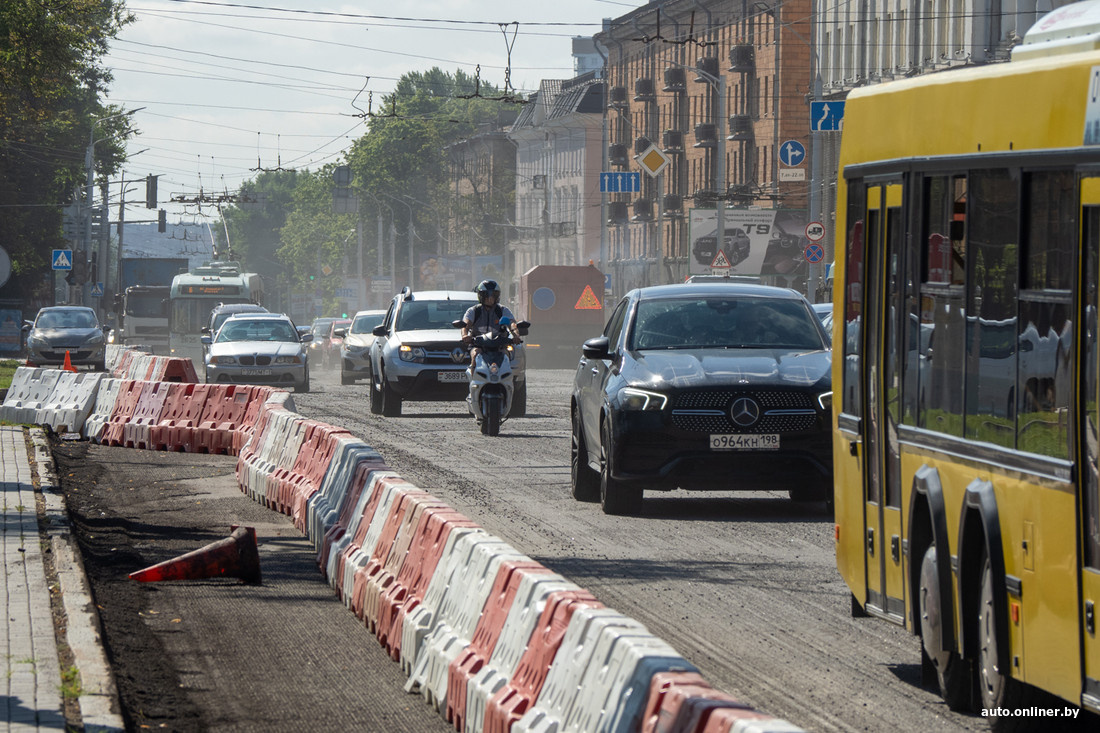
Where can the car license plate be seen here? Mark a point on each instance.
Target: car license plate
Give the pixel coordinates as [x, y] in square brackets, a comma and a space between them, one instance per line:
[764, 441]
[256, 372]
[452, 376]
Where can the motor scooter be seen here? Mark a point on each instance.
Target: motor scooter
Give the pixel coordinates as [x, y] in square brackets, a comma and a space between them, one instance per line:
[490, 397]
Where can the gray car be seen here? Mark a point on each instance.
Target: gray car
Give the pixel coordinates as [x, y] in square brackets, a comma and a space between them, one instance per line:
[355, 349]
[255, 348]
[65, 328]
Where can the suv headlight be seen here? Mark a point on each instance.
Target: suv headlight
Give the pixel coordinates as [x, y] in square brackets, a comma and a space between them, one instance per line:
[412, 353]
[633, 398]
[825, 399]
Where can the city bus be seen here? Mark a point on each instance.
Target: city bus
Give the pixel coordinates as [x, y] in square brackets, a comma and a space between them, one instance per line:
[965, 371]
[196, 293]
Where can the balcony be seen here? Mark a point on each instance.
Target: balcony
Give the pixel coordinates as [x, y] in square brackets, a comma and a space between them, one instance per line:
[706, 135]
[673, 205]
[740, 128]
[616, 213]
[617, 154]
[644, 90]
[675, 80]
[709, 66]
[641, 144]
[643, 210]
[616, 97]
[742, 58]
[672, 142]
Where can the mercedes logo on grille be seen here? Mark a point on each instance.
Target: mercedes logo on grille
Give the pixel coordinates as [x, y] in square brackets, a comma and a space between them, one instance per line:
[458, 355]
[745, 412]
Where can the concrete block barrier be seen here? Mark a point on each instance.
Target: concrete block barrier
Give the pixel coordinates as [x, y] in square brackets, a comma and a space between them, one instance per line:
[419, 619]
[515, 635]
[408, 590]
[29, 392]
[472, 579]
[104, 407]
[70, 402]
[517, 695]
[150, 405]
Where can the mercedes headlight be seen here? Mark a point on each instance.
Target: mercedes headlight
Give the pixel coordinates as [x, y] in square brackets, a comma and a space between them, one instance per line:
[825, 399]
[633, 398]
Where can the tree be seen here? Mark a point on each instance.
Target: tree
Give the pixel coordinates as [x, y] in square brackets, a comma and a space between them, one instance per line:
[50, 78]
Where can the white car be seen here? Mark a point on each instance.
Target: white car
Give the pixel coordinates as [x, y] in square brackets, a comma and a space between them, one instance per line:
[355, 349]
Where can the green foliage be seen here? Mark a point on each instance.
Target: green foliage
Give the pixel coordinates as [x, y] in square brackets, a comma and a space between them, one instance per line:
[50, 80]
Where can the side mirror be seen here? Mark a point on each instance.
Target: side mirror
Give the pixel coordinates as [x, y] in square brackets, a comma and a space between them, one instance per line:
[206, 339]
[307, 337]
[379, 330]
[523, 327]
[26, 327]
[339, 332]
[596, 348]
[106, 328]
[206, 329]
[459, 323]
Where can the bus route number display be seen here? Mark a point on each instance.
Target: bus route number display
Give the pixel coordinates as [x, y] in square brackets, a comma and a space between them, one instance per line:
[209, 289]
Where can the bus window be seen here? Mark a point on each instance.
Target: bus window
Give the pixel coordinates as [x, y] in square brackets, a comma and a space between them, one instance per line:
[853, 300]
[993, 229]
[1090, 481]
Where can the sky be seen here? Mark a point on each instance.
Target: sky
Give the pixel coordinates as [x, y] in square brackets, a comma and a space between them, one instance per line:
[227, 88]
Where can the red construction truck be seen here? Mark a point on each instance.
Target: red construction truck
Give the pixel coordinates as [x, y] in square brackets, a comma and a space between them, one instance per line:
[564, 304]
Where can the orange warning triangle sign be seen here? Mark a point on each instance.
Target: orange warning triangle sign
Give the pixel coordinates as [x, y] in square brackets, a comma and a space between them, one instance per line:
[721, 261]
[588, 301]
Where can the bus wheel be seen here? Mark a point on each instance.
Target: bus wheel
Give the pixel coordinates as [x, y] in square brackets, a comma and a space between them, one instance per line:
[951, 672]
[998, 690]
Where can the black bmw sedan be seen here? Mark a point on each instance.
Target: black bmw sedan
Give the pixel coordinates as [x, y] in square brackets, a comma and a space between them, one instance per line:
[707, 386]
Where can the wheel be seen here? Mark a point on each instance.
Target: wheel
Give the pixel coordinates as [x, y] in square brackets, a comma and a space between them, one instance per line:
[997, 689]
[304, 386]
[375, 397]
[491, 421]
[615, 497]
[391, 403]
[519, 400]
[951, 672]
[585, 481]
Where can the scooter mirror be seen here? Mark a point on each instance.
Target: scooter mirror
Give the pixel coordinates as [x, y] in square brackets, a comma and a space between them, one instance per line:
[458, 324]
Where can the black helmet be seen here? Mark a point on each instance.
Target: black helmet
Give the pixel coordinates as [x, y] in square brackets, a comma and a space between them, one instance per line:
[486, 288]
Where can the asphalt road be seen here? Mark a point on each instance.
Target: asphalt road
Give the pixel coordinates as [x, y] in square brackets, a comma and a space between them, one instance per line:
[744, 585]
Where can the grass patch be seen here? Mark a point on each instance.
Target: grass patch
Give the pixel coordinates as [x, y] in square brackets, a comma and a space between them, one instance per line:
[70, 683]
[7, 371]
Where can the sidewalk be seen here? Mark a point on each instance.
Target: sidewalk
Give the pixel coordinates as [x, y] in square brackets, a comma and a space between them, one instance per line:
[32, 686]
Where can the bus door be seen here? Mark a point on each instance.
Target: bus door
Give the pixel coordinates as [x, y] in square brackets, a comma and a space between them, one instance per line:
[1090, 442]
[883, 347]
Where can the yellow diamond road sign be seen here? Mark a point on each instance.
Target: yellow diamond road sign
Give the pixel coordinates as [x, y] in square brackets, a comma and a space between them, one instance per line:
[652, 160]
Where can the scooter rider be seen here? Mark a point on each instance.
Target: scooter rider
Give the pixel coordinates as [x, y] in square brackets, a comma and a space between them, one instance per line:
[486, 316]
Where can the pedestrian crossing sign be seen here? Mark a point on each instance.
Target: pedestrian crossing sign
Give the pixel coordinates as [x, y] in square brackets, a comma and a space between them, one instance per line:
[62, 259]
[97, 290]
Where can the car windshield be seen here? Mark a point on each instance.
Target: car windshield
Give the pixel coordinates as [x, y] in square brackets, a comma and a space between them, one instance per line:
[257, 331]
[721, 322]
[66, 319]
[366, 324]
[421, 315]
[221, 318]
[320, 328]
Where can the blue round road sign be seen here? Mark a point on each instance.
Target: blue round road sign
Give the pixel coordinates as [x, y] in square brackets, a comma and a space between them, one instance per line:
[814, 253]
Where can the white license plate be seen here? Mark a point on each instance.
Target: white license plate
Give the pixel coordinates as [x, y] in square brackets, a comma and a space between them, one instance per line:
[256, 372]
[764, 441]
[454, 376]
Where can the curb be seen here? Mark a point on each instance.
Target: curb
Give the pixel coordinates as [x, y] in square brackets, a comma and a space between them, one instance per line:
[99, 706]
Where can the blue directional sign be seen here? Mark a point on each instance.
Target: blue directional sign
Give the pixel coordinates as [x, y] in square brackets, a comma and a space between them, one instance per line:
[792, 153]
[62, 259]
[825, 116]
[97, 290]
[620, 182]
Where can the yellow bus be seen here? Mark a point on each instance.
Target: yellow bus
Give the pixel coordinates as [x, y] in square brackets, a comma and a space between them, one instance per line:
[965, 370]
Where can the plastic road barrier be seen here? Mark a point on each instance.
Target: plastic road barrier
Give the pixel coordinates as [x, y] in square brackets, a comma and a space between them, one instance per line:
[128, 396]
[30, 389]
[150, 404]
[105, 399]
[70, 402]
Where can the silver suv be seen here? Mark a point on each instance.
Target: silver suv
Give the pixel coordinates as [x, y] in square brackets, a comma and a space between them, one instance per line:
[418, 355]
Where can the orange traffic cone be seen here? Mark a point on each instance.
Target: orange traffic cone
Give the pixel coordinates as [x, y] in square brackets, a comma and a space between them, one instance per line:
[234, 557]
[68, 365]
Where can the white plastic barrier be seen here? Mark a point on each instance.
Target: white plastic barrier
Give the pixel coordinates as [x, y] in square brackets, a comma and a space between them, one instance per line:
[286, 457]
[105, 398]
[615, 685]
[563, 682]
[359, 557]
[420, 619]
[471, 582]
[30, 389]
[332, 569]
[324, 506]
[522, 618]
[256, 469]
[70, 403]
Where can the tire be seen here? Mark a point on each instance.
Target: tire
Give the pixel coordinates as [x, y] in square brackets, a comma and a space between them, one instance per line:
[375, 397]
[997, 689]
[519, 400]
[615, 497]
[585, 482]
[304, 386]
[952, 674]
[491, 421]
[391, 403]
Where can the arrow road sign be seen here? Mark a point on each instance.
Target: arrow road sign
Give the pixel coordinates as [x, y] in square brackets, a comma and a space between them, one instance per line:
[826, 116]
[792, 153]
[620, 182]
[62, 259]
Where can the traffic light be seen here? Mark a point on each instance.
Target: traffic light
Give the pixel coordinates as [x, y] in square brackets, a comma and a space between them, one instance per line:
[150, 192]
[162, 221]
[80, 268]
